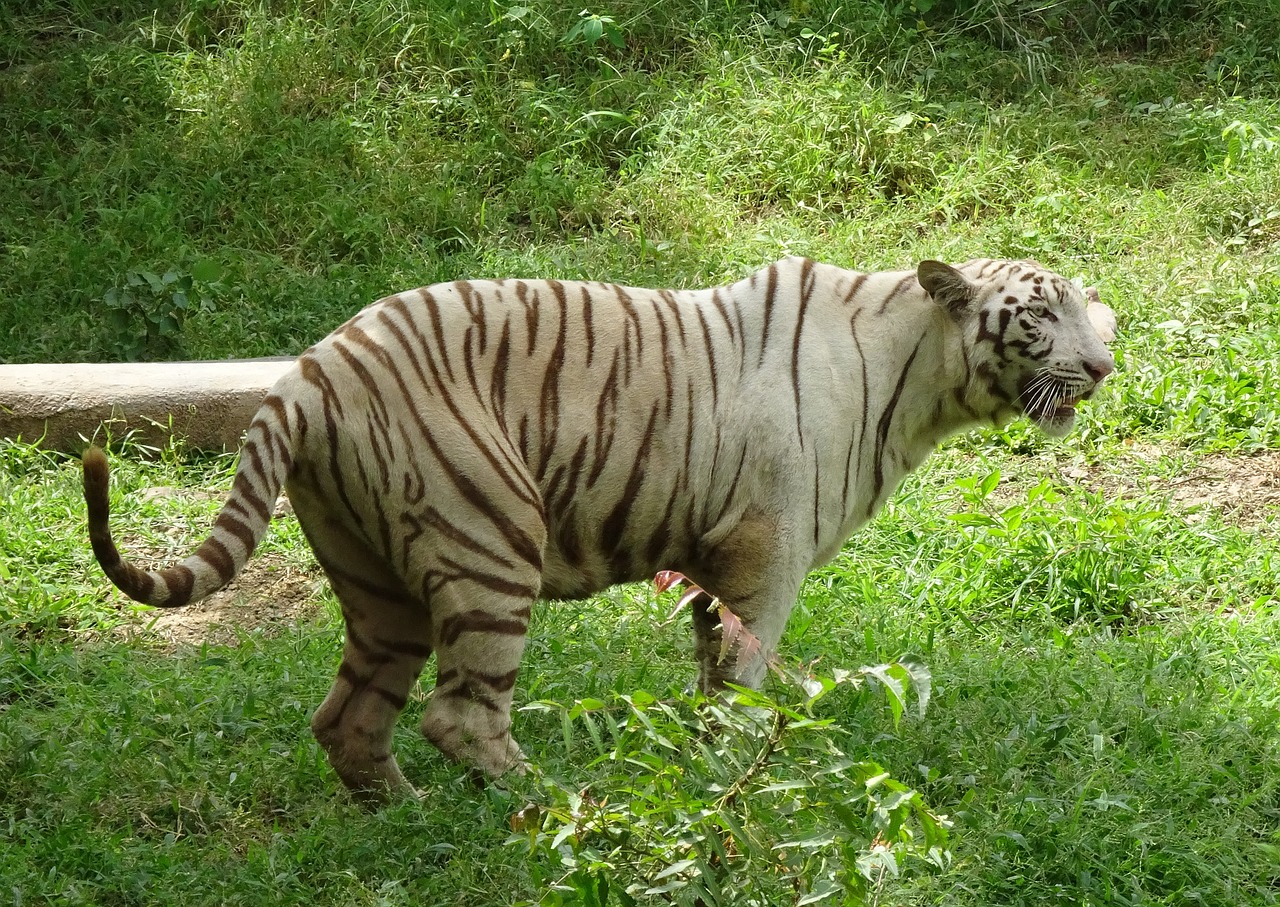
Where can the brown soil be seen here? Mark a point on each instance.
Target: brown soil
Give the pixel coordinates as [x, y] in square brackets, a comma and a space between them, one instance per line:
[1245, 490]
[271, 595]
[268, 597]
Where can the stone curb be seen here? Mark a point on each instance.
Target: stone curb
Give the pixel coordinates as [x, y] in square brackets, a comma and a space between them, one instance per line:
[208, 404]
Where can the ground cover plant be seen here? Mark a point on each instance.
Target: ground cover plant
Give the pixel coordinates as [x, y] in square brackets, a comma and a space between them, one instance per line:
[1071, 690]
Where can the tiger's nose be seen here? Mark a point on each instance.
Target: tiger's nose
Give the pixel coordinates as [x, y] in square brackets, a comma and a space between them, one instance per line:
[1099, 368]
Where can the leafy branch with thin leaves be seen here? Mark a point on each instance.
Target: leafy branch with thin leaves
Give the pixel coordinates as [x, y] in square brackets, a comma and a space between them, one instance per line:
[752, 799]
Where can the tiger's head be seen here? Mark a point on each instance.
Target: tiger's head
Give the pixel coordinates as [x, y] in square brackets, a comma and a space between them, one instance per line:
[1029, 341]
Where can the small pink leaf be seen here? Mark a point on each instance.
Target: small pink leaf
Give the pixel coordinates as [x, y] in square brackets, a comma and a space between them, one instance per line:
[667, 579]
[735, 637]
[693, 593]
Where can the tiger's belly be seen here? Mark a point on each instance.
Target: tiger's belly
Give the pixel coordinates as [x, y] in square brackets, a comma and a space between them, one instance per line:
[564, 581]
[582, 558]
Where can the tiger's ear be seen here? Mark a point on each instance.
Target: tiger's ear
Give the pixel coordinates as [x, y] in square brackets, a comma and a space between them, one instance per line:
[1100, 315]
[948, 287]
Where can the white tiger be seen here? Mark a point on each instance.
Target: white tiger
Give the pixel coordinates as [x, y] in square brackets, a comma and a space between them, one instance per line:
[455, 452]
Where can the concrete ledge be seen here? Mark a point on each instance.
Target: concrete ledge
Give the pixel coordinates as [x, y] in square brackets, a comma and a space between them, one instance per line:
[209, 404]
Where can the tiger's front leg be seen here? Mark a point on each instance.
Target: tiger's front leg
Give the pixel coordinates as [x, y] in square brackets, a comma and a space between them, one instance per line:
[756, 573]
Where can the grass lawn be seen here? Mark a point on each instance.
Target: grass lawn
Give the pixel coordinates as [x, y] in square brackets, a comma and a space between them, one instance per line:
[1072, 693]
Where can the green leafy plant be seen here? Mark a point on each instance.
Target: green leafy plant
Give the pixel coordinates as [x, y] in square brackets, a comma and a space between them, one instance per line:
[146, 312]
[749, 802]
[1092, 562]
[592, 27]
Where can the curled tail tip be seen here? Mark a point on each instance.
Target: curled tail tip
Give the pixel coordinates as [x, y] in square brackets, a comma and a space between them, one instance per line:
[95, 465]
[97, 475]
[135, 583]
[210, 568]
[97, 501]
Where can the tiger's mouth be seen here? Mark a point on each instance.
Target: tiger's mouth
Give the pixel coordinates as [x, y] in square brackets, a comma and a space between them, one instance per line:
[1066, 405]
[1051, 403]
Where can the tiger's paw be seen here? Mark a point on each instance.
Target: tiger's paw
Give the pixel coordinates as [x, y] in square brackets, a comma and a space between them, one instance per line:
[465, 737]
[491, 759]
[376, 793]
[500, 757]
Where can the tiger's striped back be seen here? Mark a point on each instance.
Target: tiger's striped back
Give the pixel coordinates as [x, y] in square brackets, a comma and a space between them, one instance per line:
[455, 452]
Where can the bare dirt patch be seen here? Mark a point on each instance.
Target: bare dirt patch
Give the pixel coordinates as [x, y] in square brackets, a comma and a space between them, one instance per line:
[269, 597]
[272, 594]
[1245, 490]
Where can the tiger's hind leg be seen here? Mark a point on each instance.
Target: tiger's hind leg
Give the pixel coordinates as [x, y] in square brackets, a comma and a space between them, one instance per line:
[387, 643]
[386, 647]
[480, 622]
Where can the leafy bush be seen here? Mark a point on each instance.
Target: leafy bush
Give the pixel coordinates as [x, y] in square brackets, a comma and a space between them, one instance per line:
[146, 312]
[751, 803]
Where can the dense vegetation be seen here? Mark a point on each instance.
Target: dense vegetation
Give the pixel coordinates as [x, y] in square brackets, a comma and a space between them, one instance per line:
[209, 179]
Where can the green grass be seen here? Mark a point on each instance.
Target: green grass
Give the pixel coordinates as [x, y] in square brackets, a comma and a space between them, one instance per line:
[1103, 726]
[196, 179]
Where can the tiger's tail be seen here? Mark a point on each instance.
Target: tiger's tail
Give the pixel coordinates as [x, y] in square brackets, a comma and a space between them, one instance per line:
[265, 461]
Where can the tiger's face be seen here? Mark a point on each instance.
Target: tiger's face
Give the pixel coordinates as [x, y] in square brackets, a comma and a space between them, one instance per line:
[1031, 346]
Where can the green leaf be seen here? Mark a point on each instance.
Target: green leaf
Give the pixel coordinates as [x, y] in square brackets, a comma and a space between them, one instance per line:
[921, 682]
[900, 122]
[967, 518]
[207, 270]
[674, 868]
[783, 785]
[674, 885]
[874, 865]
[813, 842]
[587, 719]
[566, 831]
[566, 727]
[852, 821]
[897, 697]
[583, 706]
[897, 800]
[540, 705]
[824, 889]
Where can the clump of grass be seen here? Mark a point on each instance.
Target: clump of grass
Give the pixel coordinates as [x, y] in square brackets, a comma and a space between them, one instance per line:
[319, 163]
